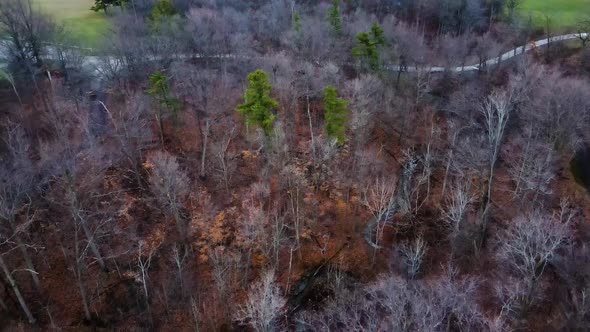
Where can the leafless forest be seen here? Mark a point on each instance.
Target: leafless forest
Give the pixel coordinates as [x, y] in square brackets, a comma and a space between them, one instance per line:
[293, 165]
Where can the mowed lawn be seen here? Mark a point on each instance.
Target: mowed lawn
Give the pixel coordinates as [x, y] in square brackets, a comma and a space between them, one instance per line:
[562, 14]
[82, 25]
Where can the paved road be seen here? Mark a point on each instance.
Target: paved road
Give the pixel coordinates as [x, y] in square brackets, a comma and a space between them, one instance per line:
[96, 62]
[503, 57]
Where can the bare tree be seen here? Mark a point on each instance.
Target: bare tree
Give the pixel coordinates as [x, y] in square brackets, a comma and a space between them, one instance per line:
[379, 197]
[496, 110]
[456, 206]
[446, 303]
[263, 306]
[81, 201]
[7, 242]
[170, 186]
[132, 129]
[16, 177]
[532, 168]
[224, 266]
[295, 184]
[530, 243]
[366, 95]
[179, 256]
[455, 213]
[224, 159]
[26, 30]
[573, 267]
[253, 230]
[350, 311]
[413, 254]
[79, 268]
[556, 109]
[426, 161]
[144, 262]
[79, 171]
[486, 49]
[207, 91]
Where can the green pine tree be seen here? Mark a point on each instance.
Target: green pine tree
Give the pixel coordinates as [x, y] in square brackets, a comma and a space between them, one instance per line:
[368, 46]
[162, 10]
[104, 5]
[377, 35]
[297, 26]
[336, 114]
[258, 105]
[297, 29]
[335, 18]
[160, 90]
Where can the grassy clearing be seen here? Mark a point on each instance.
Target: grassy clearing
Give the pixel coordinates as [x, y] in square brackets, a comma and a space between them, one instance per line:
[82, 25]
[563, 14]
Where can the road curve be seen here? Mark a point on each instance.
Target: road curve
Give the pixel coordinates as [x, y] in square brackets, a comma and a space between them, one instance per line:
[95, 62]
[499, 59]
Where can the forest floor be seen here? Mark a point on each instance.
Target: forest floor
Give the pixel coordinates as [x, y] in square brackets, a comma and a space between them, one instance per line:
[82, 25]
[562, 14]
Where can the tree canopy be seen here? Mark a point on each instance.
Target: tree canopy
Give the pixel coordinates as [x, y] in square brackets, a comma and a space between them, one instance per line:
[368, 46]
[105, 4]
[163, 9]
[336, 114]
[160, 89]
[335, 18]
[258, 104]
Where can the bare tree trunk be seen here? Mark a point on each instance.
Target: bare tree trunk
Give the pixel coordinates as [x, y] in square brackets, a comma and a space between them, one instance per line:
[23, 249]
[75, 210]
[144, 265]
[195, 315]
[160, 125]
[296, 216]
[92, 245]
[3, 304]
[522, 166]
[16, 291]
[288, 288]
[28, 262]
[447, 168]
[310, 127]
[204, 150]
[13, 84]
[179, 261]
[82, 290]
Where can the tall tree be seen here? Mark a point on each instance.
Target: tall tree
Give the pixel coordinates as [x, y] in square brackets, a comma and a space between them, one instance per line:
[258, 105]
[368, 46]
[335, 18]
[170, 185]
[162, 10]
[264, 305]
[297, 27]
[160, 90]
[24, 31]
[336, 114]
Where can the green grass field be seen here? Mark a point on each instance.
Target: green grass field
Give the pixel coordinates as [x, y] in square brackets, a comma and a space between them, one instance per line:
[563, 14]
[83, 26]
